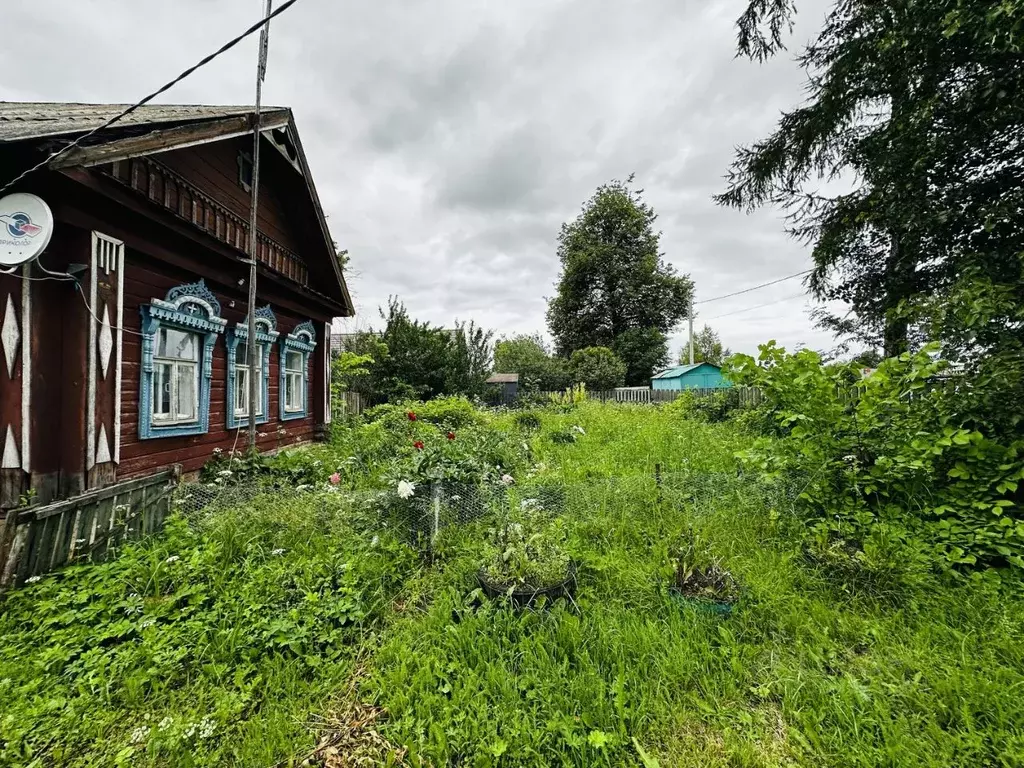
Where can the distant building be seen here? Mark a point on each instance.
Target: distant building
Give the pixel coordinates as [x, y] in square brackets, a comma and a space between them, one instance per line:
[696, 376]
[507, 383]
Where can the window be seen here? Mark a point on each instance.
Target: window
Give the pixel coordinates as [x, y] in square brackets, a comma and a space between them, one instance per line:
[178, 336]
[238, 368]
[241, 404]
[245, 170]
[294, 374]
[296, 348]
[176, 377]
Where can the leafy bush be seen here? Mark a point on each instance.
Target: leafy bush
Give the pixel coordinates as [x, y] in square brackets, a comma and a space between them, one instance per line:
[528, 420]
[891, 449]
[712, 408]
[527, 549]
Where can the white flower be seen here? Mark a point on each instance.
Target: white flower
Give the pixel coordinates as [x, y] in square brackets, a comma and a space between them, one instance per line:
[140, 734]
[167, 722]
[406, 489]
[507, 479]
[225, 473]
[578, 429]
[529, 503]
[375, 541]
[303, 487]
[147, 623]
[277, 552]
[172, 559]
[33, 579]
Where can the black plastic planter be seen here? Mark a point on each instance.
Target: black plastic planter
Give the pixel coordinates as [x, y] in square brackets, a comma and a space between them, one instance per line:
[524, 597]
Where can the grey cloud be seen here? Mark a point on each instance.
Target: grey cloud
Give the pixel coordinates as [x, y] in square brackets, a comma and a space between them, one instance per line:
[450, 139]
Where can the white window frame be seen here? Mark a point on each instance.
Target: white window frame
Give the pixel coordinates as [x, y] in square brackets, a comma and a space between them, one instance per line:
[176, 364]
[242, 385]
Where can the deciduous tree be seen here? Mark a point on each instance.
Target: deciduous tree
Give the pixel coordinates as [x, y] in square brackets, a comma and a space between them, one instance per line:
[614, 280]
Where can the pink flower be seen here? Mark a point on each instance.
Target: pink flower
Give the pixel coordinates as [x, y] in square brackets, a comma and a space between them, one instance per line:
[418, 445]
[335, 478]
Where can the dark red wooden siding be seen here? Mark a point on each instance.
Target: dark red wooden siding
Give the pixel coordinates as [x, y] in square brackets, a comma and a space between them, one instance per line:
[144, 280]
[213, 168]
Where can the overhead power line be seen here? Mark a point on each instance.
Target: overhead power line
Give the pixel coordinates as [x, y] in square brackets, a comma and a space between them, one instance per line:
[754, 288]
[757, 306]
[223, 49]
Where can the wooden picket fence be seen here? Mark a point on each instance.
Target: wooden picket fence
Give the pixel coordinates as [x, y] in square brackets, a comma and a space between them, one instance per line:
[745, 396]
[37, 540]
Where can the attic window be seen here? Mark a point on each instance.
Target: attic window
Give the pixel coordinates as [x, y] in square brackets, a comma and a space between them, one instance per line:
[245, 170]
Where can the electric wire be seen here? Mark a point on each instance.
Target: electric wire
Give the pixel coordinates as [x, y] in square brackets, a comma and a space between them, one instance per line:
[167, 86]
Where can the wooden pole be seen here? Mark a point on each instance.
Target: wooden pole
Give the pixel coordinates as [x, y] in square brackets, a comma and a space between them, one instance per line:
[253, 347]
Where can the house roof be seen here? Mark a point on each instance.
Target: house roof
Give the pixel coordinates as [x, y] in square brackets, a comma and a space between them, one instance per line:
[503, 378]
[679, 370]
[155, 128]
[35, 120]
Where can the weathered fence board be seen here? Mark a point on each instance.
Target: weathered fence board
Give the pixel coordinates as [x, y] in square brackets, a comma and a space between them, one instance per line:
[36, 540]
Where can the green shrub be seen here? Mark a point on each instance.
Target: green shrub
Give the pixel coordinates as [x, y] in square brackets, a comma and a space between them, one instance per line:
[893, 449]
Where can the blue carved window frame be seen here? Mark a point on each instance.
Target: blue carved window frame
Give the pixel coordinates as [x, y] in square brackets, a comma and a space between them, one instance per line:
[266, 335]
[303, 341]
[191, 308]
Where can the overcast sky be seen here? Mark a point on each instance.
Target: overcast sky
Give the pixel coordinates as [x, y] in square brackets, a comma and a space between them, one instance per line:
[450, 139]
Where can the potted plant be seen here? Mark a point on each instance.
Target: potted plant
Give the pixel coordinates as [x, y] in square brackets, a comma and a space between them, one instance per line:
[699, 579]
[525, 558]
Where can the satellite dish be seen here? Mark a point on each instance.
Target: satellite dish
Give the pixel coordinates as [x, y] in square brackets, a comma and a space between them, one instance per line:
[26, 226]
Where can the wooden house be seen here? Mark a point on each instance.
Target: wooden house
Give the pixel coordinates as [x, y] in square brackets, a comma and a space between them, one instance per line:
[123, 346]
[696, 376]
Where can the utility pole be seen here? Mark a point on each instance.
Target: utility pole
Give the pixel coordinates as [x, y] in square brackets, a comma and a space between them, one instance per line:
[252, 347]
[690, 313]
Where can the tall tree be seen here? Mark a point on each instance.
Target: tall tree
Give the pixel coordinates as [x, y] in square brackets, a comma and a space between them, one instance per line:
[911, 101]
[614, 280]
[707, 348]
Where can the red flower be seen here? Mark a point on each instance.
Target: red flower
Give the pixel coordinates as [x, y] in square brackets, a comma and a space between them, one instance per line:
[418, 445]
[451, 435]
[411, 415]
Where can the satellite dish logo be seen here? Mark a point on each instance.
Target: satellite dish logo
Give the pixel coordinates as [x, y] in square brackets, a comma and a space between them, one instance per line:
[20, 225]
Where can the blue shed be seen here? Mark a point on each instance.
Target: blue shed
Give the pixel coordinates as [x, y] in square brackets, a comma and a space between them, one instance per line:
[696, 376]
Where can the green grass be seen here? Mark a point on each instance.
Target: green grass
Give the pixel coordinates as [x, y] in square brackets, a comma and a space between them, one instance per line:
[811, 669]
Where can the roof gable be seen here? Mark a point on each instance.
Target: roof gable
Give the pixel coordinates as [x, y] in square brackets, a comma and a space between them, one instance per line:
[152, 129]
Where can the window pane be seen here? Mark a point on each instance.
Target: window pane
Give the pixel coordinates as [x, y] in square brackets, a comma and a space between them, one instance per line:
[177, 344]
[162, 390]
[187, 401]
[242, 354]
[293, 392]
[241, 392]
[293, 361]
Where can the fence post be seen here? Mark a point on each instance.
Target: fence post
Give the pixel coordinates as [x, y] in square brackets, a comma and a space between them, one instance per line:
[435, 495]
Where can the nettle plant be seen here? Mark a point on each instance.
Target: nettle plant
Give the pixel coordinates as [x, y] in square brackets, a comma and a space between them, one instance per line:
[526, 549]
[890, 455]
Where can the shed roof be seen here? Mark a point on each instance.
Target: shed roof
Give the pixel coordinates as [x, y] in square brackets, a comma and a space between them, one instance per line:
[679, 370]
[503, 378]
[35, 120]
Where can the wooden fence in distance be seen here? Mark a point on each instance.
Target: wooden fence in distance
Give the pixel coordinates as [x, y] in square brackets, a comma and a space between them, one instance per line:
[745, 396]
[37, 540]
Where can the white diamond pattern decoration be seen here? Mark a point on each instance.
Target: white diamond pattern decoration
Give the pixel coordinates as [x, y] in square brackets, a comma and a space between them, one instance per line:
[105, 341]
[102, 446]
[10, 335]
[11, 458]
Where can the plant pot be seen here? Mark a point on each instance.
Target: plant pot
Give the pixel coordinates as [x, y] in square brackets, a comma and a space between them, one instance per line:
[524, 597]
[705, 604]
